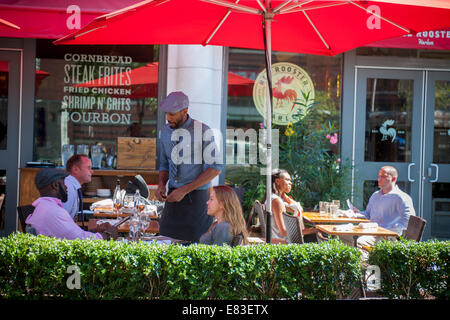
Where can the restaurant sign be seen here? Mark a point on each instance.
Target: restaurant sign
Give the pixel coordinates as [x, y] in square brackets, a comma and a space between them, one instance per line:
[290, 85]
[433, 40]
[97, 89]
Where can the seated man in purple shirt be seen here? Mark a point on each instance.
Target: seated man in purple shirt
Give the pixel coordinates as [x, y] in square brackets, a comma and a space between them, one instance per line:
[49, 218]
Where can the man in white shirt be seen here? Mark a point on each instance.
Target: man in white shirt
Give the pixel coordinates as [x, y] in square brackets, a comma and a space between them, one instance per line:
[389, 207]
[80, 172]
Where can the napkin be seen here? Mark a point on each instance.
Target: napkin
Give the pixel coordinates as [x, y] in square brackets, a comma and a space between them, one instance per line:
[110, 221]
[104, 204]
[368, 225]
[343, 227]
[346, 213]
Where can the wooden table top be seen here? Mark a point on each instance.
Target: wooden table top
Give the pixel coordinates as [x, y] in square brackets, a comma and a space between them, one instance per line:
[379, 231]
[315, 217]
[125, 227]
[112, 215]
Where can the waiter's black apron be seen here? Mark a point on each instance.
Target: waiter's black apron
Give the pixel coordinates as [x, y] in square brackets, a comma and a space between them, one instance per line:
[187, 219]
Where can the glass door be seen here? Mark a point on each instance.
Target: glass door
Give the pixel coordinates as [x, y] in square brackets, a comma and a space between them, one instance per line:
[9, 138]
[436, 169]
[387, 130]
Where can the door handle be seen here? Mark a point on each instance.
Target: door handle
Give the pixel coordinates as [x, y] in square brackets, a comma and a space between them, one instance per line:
[409, 172]
[437, 172]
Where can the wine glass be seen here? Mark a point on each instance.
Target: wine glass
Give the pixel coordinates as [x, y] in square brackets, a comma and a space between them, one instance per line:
[128, 201]
[145, 220]
[140, 204]
[117, 202]
[134, 226]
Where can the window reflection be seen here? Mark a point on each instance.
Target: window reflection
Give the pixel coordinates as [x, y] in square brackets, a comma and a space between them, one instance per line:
[440, 224]
[92, 95]
[2, 198]
[388, 120]
[441, 152]
[324, 72]
[370, 186]
[4, 69]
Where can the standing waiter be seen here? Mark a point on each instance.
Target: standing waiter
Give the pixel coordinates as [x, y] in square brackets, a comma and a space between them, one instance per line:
[185, 213]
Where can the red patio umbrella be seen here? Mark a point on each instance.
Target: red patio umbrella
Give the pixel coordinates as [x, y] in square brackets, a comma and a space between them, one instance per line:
[40, 75]
[4, 23]
[324, 27]
[143, 82]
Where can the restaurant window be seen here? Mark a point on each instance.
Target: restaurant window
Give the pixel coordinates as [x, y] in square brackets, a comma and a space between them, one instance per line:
[322, 73]
[4, 76]
[91, 95]
[371, 186]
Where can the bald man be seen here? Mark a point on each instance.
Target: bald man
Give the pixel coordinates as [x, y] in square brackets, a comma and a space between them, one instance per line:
[390, 207]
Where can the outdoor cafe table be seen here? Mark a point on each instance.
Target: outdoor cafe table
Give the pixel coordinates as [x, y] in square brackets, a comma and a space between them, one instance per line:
[112, 215]
[356, 232]
[315, 217]
[125, 227]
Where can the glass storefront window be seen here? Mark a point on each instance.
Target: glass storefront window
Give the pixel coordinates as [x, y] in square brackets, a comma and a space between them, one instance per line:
[325, 73]
[441, 150]
[388, 120]
[4, 70]
[370, 186]
[440, 218]
[91, 95]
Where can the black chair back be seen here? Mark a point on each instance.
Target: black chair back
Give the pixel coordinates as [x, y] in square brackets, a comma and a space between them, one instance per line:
[416, 226]
[237, 240]
[293, 228]
[262, 219]
[24, 212]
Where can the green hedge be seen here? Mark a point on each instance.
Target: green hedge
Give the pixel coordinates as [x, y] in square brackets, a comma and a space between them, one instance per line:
[411, 270]
[36, 268]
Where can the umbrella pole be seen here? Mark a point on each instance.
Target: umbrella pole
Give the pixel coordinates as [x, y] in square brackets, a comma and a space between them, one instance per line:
[268, 53]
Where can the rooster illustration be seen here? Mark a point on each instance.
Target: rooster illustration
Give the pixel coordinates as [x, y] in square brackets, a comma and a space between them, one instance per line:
[289, 94]
[391, 132]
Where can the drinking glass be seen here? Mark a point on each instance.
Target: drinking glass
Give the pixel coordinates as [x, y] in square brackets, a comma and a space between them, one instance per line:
[67, 150]
[140, 204]
[96, 156]
[337, 202]
[134, 226]
[117, 202]
[144, 221]
[322, 209]
[83, 149]
[128, 201]
[333, 210]
[327, 208]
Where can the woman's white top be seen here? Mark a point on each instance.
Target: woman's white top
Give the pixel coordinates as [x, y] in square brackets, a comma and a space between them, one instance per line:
[275, 231]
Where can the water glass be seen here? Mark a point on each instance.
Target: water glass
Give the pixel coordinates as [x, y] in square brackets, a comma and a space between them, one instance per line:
[144, 221]
[322, 209]
[333, 210]
[67, 150]
[128, 201]
[327, 208]
[337, 202]
[96, 156]
[134, 227]
[83, 149]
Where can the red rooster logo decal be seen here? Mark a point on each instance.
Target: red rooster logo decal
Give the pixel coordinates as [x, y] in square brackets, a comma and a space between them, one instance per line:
[289, 94]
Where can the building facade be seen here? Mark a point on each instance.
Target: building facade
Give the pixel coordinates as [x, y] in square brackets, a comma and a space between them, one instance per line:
[390, 102]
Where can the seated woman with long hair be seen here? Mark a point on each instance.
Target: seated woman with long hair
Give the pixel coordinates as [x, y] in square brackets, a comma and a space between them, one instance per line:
[224, 205]
[282, 202]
